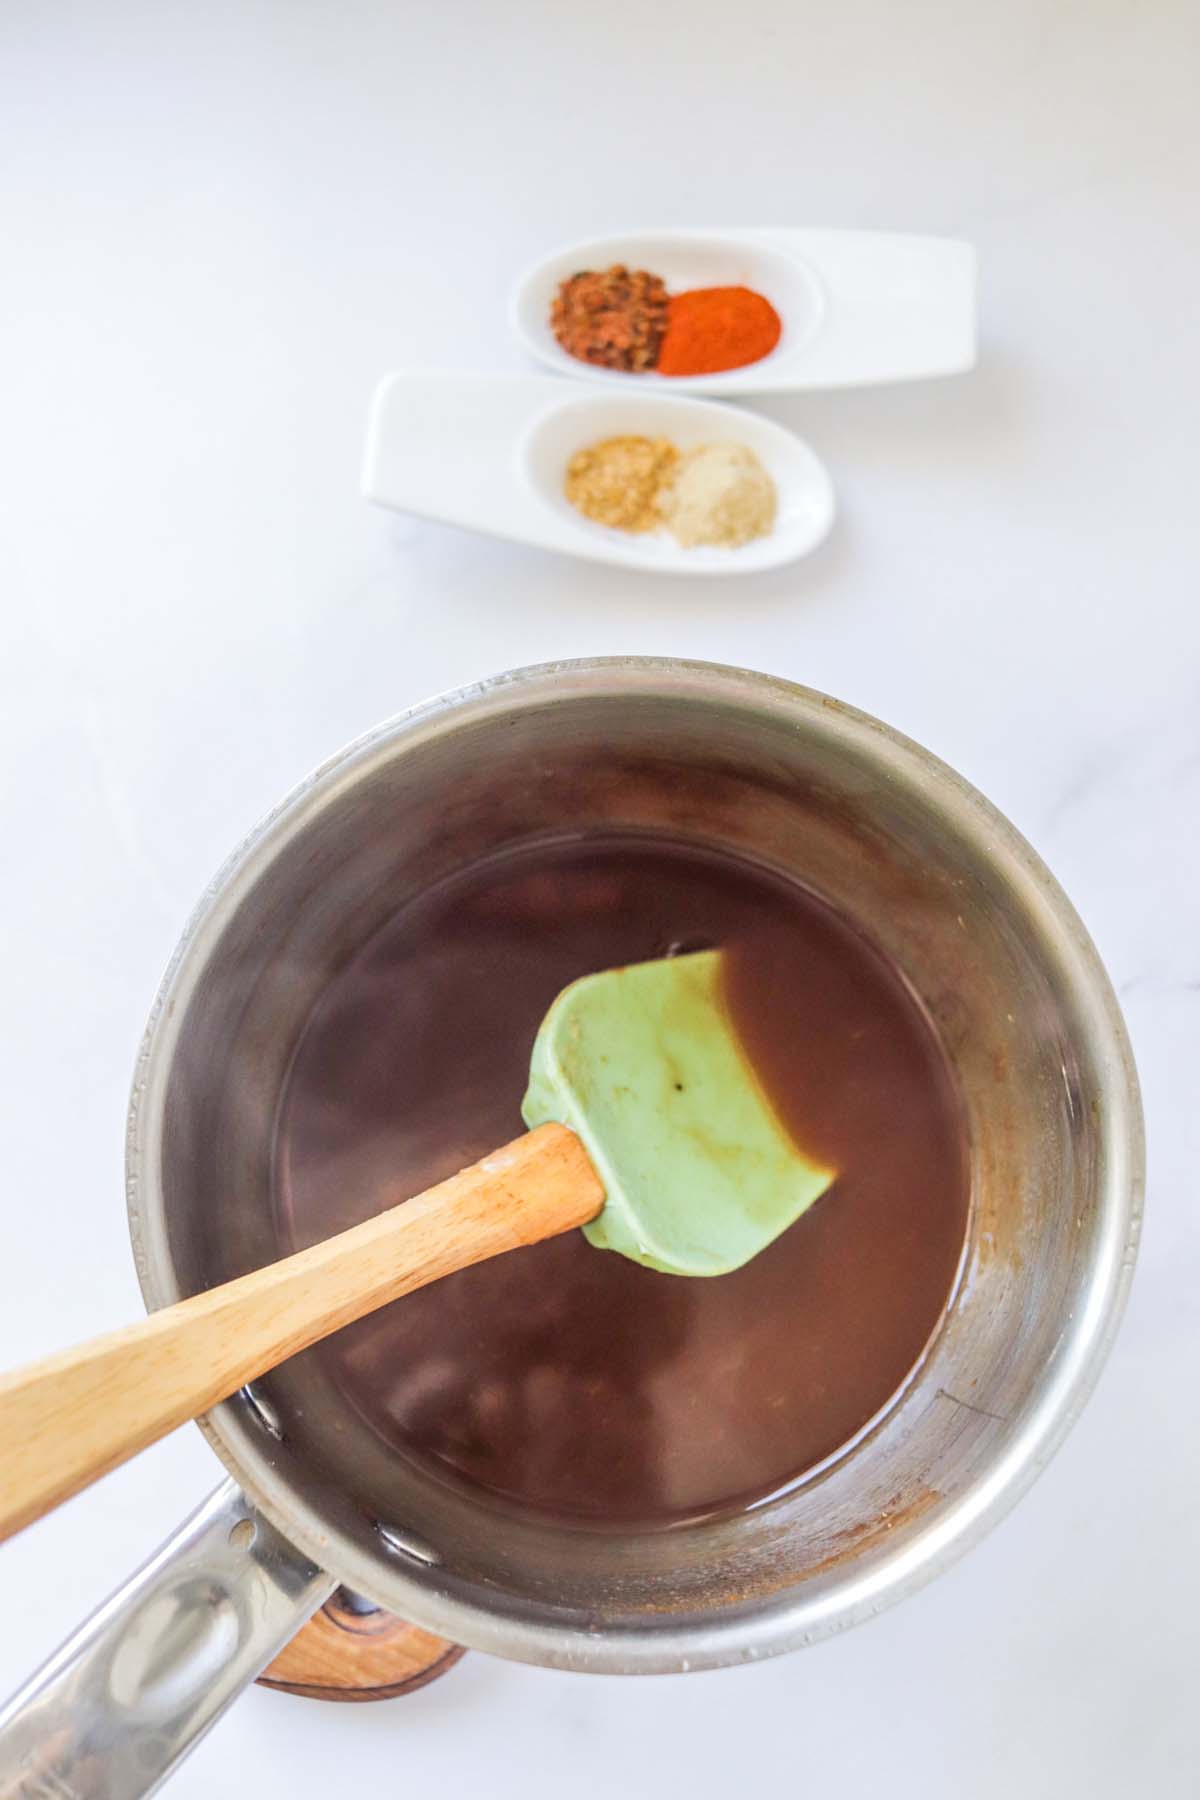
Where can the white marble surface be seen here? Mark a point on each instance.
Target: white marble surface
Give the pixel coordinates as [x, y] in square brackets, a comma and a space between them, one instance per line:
[221, 224]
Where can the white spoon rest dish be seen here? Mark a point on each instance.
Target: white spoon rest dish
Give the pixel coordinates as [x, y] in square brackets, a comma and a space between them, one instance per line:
[490, 452]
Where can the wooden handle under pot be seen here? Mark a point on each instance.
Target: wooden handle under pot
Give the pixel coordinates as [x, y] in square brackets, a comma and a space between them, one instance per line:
[345, 1655]
[68, 1419]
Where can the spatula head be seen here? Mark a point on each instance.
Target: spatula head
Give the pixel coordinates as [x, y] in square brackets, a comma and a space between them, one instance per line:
[645, 1065]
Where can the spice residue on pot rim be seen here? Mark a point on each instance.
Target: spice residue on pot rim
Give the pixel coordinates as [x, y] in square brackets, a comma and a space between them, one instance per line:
[621, 318]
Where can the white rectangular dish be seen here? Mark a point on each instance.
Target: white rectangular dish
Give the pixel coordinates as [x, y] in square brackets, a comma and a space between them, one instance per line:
[856, 306]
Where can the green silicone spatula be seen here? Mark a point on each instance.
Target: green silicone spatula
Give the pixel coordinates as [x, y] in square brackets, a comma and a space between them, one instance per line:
[650, 1130]
[644, 1065]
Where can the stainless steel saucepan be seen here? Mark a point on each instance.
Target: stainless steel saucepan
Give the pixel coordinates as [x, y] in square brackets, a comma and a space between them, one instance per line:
[726, 758]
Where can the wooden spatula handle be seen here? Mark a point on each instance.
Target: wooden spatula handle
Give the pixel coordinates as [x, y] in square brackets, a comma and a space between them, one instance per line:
[67, 1420]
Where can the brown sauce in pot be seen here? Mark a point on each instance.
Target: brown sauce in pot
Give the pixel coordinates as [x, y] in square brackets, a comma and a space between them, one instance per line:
[567, 1380]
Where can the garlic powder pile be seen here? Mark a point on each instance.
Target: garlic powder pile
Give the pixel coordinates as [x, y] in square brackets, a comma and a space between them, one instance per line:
[617, 482]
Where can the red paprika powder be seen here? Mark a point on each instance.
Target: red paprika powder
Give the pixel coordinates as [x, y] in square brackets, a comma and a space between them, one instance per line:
[711, 329]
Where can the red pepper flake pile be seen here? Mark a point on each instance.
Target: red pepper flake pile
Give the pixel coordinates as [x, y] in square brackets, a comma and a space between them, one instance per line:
[624, 319]
[616, 318]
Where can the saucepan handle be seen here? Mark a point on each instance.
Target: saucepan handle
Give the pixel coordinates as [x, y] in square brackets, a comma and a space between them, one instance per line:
[125, 1699]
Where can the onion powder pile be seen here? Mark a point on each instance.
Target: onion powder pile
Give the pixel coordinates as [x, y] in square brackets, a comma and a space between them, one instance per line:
[719, 494]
